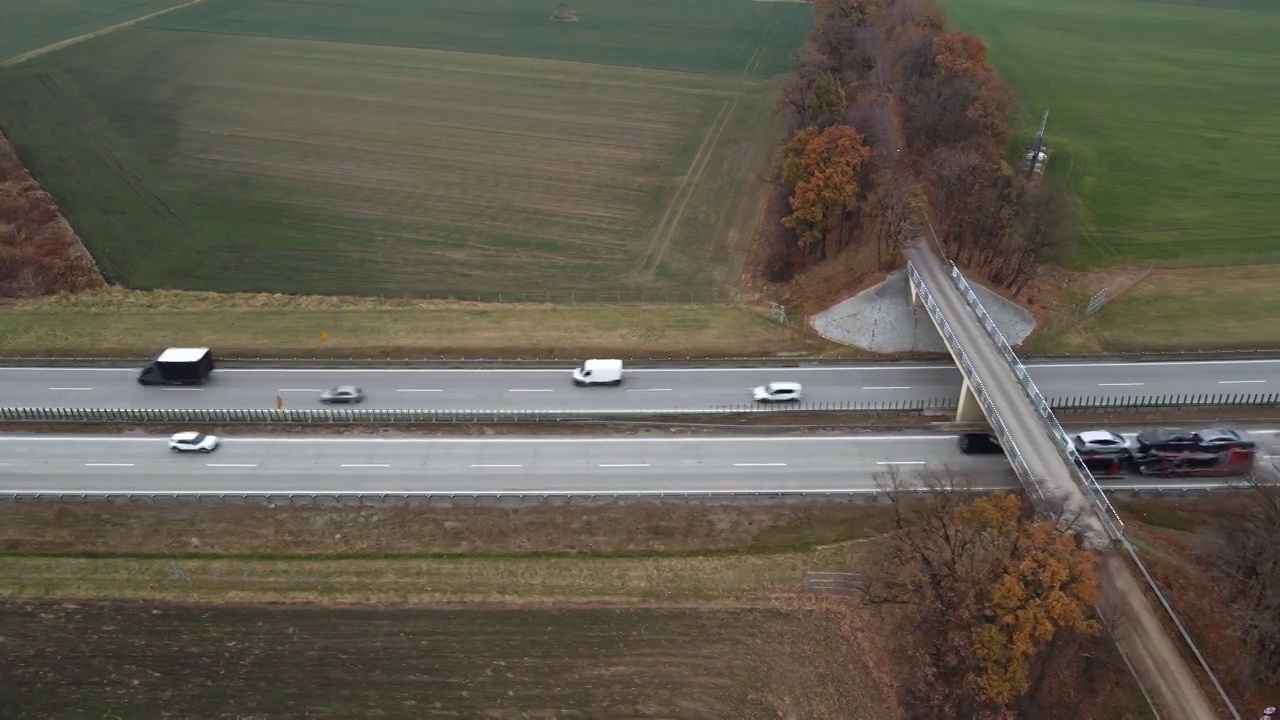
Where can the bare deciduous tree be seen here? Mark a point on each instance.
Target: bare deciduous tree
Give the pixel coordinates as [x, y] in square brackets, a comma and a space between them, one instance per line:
[993, 588]
[1245, 552]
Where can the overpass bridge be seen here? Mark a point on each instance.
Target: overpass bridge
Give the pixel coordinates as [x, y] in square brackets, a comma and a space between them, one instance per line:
[997, 388]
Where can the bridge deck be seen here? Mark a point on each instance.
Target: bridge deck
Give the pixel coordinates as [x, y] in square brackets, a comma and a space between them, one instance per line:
[1163, 671]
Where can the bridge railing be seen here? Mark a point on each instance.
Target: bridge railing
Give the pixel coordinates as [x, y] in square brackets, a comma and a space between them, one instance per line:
[1061, 439]
[1029, 481]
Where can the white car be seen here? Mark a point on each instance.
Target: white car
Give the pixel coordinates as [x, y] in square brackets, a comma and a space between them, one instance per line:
[193, 442]
[777, 392]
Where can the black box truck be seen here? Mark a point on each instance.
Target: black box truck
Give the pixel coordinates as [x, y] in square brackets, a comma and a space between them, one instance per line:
[178, 366]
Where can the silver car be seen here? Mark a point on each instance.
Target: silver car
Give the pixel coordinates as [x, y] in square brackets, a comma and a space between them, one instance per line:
[342, 394]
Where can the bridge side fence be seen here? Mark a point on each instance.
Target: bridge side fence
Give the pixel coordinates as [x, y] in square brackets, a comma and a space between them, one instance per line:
[1067, 449]
[1108, 514]
[1028, 480]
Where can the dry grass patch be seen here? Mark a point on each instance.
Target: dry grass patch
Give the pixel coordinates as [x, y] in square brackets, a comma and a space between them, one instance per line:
[184, 529]
[136, 324]
[1226, 308]
[734, 579]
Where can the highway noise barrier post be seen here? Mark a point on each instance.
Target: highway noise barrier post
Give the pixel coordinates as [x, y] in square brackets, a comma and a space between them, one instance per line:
[363, 416]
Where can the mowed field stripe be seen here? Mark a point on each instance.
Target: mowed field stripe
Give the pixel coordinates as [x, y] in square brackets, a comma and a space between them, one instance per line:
[90, 35]
[674, 213]
[670, 223]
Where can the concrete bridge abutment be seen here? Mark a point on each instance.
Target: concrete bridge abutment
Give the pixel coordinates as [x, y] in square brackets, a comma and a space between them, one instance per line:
[969, 410]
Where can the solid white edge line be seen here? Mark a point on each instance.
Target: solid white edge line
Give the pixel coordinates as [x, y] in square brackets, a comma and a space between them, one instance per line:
[578, 493]
[842, 368]
[1240, 382]
[502, 440]
[547, 441]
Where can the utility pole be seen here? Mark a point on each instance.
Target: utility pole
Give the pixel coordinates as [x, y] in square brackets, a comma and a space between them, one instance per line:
[1038, 146]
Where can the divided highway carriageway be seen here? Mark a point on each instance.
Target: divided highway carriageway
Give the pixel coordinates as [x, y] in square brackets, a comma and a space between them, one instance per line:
[643, 389]
[584, 465]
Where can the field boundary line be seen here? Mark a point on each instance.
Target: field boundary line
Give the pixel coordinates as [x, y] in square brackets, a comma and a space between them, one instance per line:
[62, 44]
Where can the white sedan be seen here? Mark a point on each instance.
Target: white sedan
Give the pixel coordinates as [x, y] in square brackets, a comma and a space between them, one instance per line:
[193, 442]
[777, 392]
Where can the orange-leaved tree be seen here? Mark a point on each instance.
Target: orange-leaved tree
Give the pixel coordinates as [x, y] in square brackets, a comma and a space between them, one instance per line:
[823, 169]
[1040, 581]
[987, 590]
[959, 53]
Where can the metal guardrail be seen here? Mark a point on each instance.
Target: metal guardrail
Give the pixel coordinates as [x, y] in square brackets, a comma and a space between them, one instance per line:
[1143, 402]
[1029, 481]
[349, 416]
[338, 495]
[1066, 448]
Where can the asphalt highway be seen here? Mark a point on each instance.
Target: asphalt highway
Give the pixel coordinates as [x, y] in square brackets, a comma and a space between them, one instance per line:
[789, 463]
[648, 389]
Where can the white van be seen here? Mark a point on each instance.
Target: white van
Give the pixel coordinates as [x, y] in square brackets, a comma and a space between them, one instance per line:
[598, 372]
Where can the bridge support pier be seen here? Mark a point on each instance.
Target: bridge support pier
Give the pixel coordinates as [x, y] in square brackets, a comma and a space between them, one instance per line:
[916, 300]
[969, 410]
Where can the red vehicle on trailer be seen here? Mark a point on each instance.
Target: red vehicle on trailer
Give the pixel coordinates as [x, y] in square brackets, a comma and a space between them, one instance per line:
[1212, 452]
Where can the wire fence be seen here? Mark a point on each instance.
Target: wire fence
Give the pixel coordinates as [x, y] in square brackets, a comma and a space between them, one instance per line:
[373, 497]
[551, 297]
[764, 362]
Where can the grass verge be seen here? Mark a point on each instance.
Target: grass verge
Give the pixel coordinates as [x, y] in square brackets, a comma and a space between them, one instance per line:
[641, 528]
[726, 580]
[120, 323]
[1228, 308]
[640, 552]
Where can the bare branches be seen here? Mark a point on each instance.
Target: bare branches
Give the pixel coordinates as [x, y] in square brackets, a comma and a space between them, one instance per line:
[1245, 554]
[991, 586]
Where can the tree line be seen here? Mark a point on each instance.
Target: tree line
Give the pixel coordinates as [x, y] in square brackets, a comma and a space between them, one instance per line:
[895, 121]
[39, 252]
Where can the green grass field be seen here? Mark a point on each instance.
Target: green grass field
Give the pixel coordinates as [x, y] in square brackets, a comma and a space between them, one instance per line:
[1162, 114]
[27, 25]
[413, 148]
